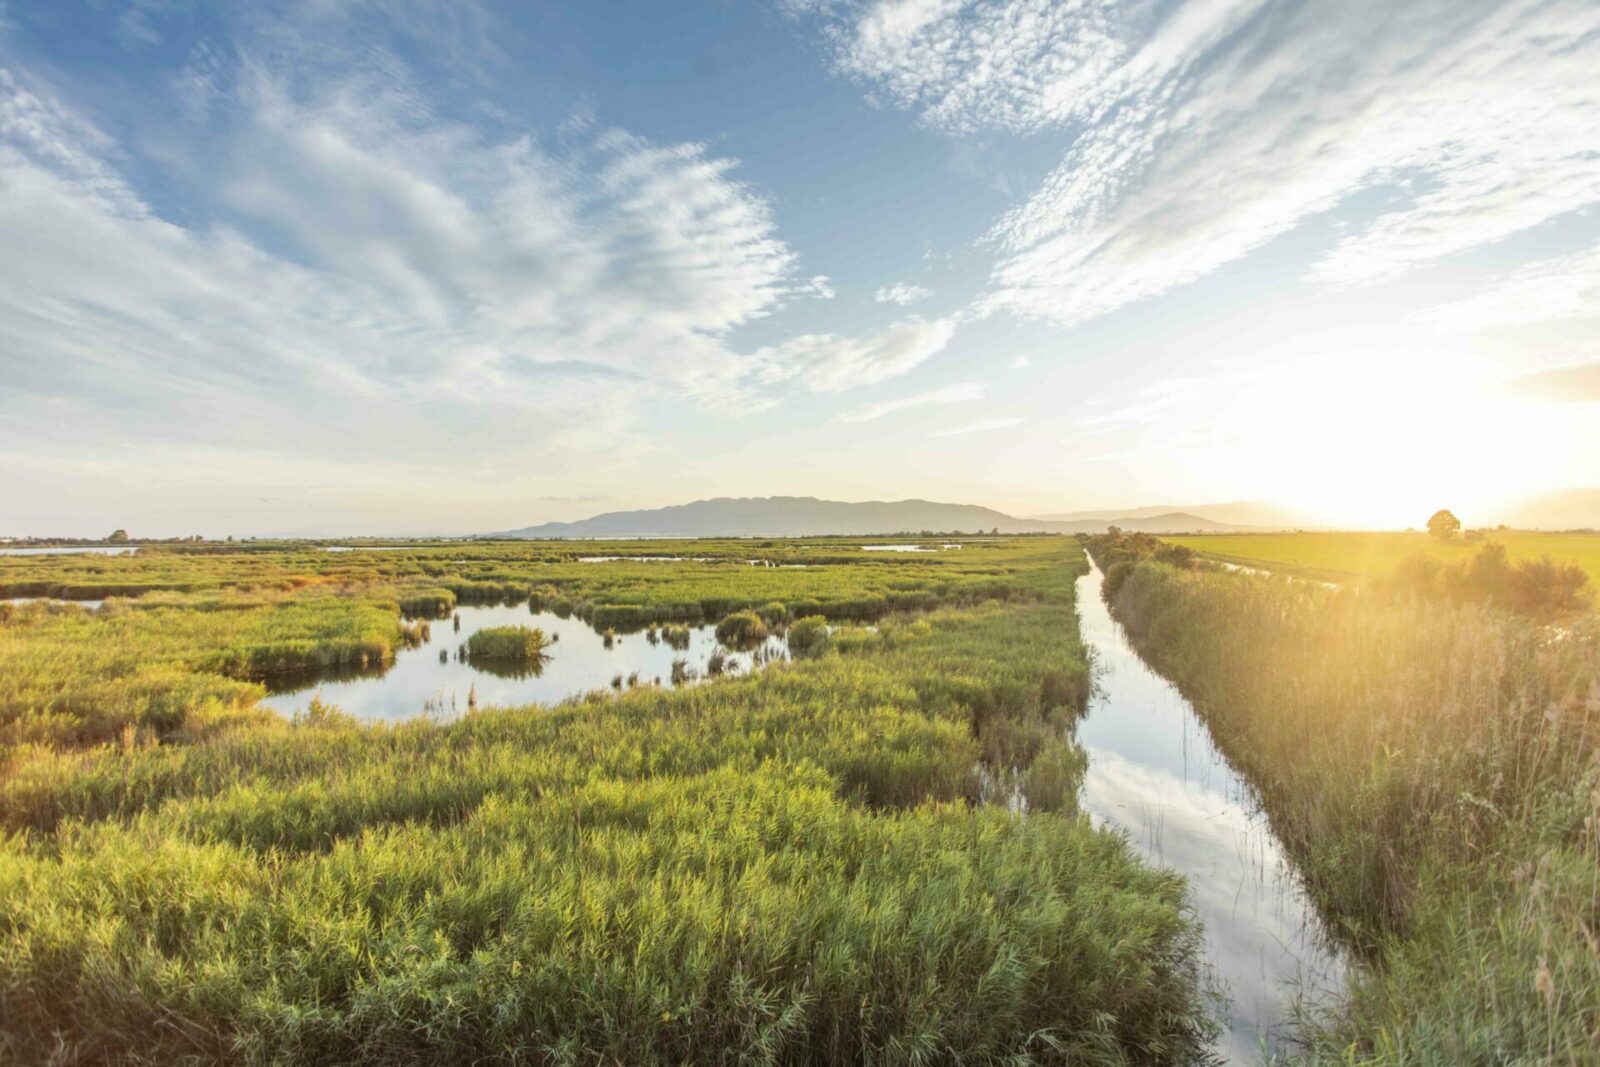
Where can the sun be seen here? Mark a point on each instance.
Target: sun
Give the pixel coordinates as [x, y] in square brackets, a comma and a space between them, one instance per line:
[1390, 437]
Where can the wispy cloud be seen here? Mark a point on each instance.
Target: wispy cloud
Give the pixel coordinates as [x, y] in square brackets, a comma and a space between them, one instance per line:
[978, 427]
[902, 294]
[1564, 287]
[829, 363]
[959, 393]
[419, 268]
[1201, 130]
[820, 286]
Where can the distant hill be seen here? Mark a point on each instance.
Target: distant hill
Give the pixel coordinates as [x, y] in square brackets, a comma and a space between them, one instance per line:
[1240, 513]
[1564, 509]
[798, 516]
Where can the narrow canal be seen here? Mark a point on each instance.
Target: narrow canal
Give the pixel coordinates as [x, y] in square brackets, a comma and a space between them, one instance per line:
[1155, 774]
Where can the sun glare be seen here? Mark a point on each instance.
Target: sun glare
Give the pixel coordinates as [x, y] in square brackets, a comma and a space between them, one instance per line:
[1390, 438]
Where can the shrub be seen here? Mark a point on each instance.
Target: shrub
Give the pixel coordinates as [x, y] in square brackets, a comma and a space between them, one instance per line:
[1051, 781]
[808, 636]
[507, 642]
[742, 628]
[434, 603]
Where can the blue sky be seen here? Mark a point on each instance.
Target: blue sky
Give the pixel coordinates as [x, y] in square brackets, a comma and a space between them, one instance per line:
[338, 266]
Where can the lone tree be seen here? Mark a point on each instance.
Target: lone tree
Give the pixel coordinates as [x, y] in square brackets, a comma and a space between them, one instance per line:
[1444, 525]
[118, 537]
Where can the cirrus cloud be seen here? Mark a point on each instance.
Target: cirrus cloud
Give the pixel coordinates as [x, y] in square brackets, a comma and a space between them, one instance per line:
[1197, 131]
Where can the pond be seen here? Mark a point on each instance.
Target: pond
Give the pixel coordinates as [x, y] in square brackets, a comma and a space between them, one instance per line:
[579, 661]
[1155, 774]
[87, 604]
[70, 550]
[647, 559]
[369, 548]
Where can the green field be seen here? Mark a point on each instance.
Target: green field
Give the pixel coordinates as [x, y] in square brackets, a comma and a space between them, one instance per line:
[1371, 555]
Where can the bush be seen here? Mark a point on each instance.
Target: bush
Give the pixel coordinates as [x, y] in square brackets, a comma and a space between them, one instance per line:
[808, 636]
[742, 628]
[434, 603]
[1540, 588]
[507, 642]
[1051, 781]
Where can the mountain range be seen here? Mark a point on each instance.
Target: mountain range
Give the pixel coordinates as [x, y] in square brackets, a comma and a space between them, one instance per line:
[801, 516]
[1256, 513]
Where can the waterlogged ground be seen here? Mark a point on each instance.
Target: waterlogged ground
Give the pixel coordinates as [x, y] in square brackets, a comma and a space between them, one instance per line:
[70, 550]
[579, 661]
[1154, 773]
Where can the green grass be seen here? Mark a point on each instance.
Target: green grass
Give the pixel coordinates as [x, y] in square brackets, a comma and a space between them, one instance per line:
[507, 642]
[188, 627]
[741, 629]
[1341, 556]
[786, 867]
[1434, 769]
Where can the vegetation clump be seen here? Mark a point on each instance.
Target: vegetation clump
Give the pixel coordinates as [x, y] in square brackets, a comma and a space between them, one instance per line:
[507, 642]
[741, 629]
[808, 636]
[1541, 588]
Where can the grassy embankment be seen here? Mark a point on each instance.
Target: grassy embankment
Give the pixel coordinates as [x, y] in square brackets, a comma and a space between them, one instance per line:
[784, 867]
[1434, 768]
[1342, 556]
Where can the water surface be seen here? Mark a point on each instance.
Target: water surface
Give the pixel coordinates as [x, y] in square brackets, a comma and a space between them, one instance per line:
[578, 662]
[70, 550]
[1155, 774]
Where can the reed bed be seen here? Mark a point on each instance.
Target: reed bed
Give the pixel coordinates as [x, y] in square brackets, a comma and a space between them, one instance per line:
[789, 867]
[507, 642]
[1434, 768]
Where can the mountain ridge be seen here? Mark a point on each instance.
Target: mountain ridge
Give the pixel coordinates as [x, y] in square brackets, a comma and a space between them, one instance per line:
[792, 516]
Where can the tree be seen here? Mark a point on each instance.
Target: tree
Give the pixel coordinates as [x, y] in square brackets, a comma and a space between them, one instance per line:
[118, 537]
[1444, 525]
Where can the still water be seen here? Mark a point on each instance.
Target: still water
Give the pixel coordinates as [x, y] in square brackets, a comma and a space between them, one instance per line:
[1155, 774]
[69, 550]
[579, 661]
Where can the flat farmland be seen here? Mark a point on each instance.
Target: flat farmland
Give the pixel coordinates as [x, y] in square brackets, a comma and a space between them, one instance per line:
[1367, 555]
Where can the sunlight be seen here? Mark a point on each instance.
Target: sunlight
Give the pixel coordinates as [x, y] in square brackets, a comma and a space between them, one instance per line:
[1390, 437]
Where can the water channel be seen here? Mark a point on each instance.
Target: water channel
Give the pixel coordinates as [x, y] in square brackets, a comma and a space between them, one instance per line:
[1155, 774]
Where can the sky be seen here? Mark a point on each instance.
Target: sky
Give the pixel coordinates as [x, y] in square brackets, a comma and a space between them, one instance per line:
[330, 267]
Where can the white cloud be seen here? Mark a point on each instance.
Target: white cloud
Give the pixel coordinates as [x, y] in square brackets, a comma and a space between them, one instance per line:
[1201, 130]
[828, 363]
[961, 392]
[820, 286]
[1566, 287]
[902, 294]
[419, 272]
[966, 65]
[1019, 362]
[978, 427]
